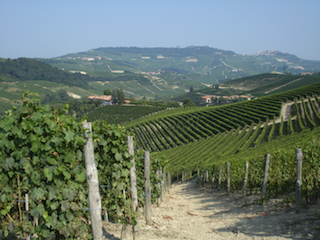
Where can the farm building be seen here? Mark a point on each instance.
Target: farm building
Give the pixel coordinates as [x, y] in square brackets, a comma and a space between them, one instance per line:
[105, 99]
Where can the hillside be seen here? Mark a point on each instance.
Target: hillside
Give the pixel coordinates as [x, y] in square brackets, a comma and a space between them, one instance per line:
[256, 86]
[178, 127]
[172, 71]
[136, 85]
[219, 65]
[26, 69]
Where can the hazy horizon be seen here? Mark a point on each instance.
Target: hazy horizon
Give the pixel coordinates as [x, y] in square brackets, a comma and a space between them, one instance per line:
[49, 29]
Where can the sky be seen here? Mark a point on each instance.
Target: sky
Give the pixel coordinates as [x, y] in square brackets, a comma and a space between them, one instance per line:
[51, 28]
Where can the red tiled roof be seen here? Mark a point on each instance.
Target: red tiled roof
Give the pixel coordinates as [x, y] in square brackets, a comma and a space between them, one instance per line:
[103, 97]
[207, 96]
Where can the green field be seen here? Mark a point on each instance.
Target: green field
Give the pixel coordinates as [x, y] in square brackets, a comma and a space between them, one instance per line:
[121, 114]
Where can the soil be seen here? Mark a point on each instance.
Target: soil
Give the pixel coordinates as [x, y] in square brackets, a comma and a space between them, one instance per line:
[190, 211]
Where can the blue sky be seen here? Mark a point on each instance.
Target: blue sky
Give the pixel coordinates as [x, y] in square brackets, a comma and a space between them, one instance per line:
[53, 28]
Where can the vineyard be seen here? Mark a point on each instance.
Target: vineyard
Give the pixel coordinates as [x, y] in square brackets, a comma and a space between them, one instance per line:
[176, 127]
[42, 155]
[116, 114]
[206, 139]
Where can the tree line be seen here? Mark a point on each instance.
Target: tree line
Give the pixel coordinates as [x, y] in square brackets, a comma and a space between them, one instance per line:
[23, 69]
[117, 96]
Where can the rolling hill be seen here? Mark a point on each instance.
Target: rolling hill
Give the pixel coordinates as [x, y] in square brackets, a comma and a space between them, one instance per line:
[225, 131]
[255, 86]
[219, 64]
[172, 71]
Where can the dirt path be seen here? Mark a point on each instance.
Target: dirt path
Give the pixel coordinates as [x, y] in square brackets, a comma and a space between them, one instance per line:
[298, 79]
[286, 109]
[192, 212]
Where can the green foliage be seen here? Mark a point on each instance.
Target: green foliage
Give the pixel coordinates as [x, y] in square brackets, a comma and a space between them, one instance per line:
[307, 116]
[40, 154]
[300, 122]
[281, 127]
[112, 160]
[271, 132]
[107, 92]
[187, 102]
[291, 129]
[80, 108]
[262, 134]
[60, 95]
[120, 96]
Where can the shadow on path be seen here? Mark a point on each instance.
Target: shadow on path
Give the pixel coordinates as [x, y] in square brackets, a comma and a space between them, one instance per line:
[234, 214]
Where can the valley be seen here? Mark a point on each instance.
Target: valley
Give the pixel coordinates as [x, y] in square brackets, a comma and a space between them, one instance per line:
[215, 151]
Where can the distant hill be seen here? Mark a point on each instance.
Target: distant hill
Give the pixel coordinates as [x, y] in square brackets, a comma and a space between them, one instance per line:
[256, 86]
[219, 64]
[172, 71]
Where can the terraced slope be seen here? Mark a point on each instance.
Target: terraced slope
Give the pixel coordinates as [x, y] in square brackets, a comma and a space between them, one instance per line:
[176, 127]
[249, 142]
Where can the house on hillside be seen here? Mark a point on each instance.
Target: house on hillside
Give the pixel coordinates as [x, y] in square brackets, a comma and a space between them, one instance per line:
[105, 99]
[245, 97]
[227, 97]
[206, 99]
[233, 97]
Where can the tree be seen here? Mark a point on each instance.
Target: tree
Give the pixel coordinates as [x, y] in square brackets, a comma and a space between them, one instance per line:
[284, 69]
[120, 96]
[191, 89]
[63, 94]
[114, 97]
[187, 102]
[107, 92]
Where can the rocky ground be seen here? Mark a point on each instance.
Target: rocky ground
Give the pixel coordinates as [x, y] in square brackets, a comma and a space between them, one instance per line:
[190, 211]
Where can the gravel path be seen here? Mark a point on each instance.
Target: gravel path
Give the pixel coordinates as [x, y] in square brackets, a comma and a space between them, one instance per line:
[190, 211]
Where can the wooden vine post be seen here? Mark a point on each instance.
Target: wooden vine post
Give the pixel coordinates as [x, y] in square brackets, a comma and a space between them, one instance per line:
[212, 182]
[168, 182]
[202, 179]
[265, 177]
[147, 187]
[182, 174]
[299, 157]
[198, 171]
[93, 184]
[228, 177]
[207, 178]
[159, 188]
[245, 179]
[133, 184]
[161, 185]
[164, 182]
[27, 215]
[219, 180]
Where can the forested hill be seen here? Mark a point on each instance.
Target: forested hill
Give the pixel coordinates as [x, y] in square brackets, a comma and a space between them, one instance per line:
[23, 69]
